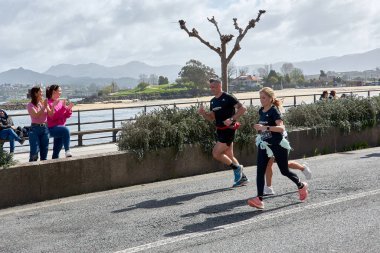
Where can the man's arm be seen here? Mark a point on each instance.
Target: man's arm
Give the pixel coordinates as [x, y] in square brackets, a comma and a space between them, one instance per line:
[240, 110]
[210, 116]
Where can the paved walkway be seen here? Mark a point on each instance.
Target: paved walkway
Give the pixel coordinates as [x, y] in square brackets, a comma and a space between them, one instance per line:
[75, 151]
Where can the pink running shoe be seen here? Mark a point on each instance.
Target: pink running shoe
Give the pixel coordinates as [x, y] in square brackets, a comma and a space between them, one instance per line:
[256, 202]
[303, 191]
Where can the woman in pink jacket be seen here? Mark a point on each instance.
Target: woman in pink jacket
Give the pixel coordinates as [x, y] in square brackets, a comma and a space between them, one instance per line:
[57, 121]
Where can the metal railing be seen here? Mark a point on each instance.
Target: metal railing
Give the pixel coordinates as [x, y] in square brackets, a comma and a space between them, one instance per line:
[79, 128]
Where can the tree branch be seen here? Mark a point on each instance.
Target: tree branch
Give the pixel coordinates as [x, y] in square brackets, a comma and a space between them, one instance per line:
[242, 33]
[212, 20]
[237, 26]
[194, 33]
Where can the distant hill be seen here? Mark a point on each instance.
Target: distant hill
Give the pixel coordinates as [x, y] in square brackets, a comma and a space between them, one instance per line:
[132, 69]
[127, 75]
[352, 62]
[25, 76]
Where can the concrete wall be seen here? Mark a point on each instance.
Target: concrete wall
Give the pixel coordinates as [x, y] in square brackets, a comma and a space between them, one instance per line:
[50, 179]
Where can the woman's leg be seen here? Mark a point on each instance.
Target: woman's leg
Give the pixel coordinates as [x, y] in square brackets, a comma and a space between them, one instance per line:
[33, 143]
[281, 155]
[295, 165]
[269, 172]
[44, 143]
[66, 138]
[262, 162]
[56, 133]
[57, 146]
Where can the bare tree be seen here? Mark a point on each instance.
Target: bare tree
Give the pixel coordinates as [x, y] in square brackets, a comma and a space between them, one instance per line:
[286, 68]
[243, 71]
[231, 70]
[224, 39]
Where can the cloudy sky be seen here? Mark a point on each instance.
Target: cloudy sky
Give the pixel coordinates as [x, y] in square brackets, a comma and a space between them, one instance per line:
[40, 33]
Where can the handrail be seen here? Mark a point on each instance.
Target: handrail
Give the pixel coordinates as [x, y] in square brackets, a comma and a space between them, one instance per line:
[144, 109]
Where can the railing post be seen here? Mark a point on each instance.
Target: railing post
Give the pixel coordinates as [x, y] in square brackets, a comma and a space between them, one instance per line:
[369, 94]
[113, 125]
[144, 109]
[295, 101]
[80, 137]
[315, 98]
[251, 101]
[174, 106]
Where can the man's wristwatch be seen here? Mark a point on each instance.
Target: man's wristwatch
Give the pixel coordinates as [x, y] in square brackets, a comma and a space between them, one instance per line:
[268, 127]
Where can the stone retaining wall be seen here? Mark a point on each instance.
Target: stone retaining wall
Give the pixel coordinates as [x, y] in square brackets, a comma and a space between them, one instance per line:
[53, 179]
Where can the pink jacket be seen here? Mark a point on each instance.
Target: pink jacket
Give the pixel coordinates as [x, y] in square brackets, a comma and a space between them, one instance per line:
[61, 113]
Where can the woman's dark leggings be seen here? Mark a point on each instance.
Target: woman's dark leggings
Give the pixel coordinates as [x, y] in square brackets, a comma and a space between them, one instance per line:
[281, 155]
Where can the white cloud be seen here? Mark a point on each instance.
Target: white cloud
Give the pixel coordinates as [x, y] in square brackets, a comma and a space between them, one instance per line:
[41, 33]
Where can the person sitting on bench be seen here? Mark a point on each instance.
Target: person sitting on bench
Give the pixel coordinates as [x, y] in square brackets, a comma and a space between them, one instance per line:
[7, 131]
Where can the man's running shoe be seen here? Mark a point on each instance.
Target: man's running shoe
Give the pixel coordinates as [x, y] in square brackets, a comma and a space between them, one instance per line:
[243, 181]
[307, 172]
[268, 190]
[303, 191]
[238, 174]
[256, 202]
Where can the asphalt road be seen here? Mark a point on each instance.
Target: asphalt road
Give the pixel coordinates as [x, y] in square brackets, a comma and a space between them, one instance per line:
[203, 214]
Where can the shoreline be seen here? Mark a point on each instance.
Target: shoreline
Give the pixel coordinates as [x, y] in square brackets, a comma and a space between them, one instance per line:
[246, 95]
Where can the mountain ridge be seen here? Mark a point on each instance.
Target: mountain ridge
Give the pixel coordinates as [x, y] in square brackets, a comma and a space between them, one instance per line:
[127, 75]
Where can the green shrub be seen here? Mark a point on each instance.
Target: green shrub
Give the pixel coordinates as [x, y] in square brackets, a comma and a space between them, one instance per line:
[6, 159]
[346, 114]
[167, 127]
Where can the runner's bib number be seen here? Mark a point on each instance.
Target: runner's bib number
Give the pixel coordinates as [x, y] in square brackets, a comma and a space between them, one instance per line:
[266, 135]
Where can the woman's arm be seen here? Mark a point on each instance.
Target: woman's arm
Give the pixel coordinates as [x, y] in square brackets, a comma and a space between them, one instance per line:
[50, 109]
[279, 128]
[34, 112]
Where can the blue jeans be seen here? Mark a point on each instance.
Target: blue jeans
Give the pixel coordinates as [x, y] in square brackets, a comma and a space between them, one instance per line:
[61, 135]
[39, 142]
[9, 134]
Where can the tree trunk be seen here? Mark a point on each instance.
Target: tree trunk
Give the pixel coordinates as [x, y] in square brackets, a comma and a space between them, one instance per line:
[224, 63]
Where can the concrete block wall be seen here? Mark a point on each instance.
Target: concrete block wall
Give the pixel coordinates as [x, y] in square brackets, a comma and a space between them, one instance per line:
[38, 181]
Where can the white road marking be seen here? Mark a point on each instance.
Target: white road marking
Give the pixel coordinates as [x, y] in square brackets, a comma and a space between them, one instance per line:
[247, 222]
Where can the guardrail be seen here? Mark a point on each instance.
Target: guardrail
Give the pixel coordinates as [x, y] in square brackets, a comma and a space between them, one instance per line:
[115, 123]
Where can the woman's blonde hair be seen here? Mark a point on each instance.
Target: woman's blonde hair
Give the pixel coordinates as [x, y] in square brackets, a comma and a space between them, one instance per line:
[270, 93]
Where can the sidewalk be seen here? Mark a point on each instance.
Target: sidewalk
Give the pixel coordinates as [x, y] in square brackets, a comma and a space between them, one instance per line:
[75, 151]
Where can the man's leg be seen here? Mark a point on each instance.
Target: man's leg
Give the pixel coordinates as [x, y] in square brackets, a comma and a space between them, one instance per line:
[218, 153]
[230, 153]
[10, 135]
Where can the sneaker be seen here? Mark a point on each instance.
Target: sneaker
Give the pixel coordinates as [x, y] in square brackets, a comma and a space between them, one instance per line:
[303, 191]
[238, 174]
[68, 153]
[243, 181]
[268, 190]
[306, 171]
[256, 202]
[21, 141]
